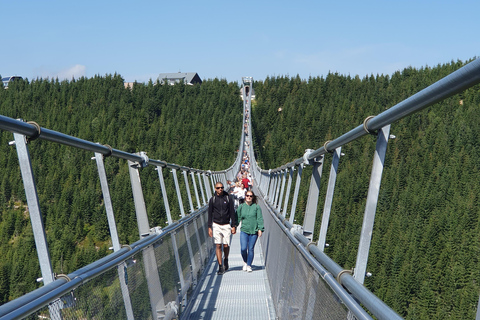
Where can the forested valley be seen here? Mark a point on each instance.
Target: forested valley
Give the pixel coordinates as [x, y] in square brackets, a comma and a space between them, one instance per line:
[425, 251]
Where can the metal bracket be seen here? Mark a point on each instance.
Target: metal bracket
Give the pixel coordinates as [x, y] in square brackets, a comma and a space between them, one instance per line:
[145, 159]
[339, 275]
[365, 125]
[110, 150]
[307, 153]
[325, 146]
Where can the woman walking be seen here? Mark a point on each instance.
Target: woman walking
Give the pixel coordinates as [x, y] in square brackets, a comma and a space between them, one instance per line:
[250, 215]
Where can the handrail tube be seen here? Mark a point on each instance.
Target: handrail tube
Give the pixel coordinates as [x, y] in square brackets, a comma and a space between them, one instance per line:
[32, 306]
[17, 126]
[13, 305]
[376, 306]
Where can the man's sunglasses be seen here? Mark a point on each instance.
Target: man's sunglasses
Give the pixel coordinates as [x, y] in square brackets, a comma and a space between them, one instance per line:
[218, 187]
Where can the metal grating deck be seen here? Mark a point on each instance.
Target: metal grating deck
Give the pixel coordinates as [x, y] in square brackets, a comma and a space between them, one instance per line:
[236, 294]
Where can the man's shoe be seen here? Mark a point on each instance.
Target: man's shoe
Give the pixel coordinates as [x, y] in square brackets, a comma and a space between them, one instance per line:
[221, 270]
[244, 267]
[225, 263]
[249, 269]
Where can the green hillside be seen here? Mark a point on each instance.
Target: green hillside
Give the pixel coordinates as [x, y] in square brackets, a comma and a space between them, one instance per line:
[425, 247]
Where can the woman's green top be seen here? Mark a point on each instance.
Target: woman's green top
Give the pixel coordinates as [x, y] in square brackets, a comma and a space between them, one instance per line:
[251, 218]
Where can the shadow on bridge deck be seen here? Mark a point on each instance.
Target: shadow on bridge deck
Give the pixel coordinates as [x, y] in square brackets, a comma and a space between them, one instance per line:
[236, 294]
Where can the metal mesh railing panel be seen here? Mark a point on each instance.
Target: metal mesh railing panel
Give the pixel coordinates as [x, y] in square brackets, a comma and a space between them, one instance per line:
[102, 298]
[184, 254]
[167, 270]
[298, 292]
[195, 248]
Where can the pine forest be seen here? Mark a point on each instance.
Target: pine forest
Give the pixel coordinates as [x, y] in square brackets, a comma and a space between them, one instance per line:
[425, 251]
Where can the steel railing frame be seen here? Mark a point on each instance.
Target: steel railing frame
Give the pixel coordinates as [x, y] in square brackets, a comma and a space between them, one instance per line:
[379, 125]
[24, 132]
[37, 299]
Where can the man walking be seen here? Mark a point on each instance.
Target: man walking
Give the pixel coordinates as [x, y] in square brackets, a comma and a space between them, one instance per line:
[222, 221]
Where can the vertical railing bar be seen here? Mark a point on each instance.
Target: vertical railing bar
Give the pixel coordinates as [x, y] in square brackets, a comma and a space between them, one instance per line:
[139, 201]
[295, 193]
[329, 199]
[287, 194]
[34, 208]
[113, 232]
[190, 253]
[312, 199]
[202, 189]
[371, 206]
[282, 190]
[38, 228]
[277, 189]
[107, 200]
[164, 194]
[197, 236]
[179, 195]
[150, 263]
[189, 194]
[206, 183]
[177, 261]
[192, 175]
[270, 188]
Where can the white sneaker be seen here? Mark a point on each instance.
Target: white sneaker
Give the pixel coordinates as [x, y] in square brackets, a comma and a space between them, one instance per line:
[244, 267]
[249, 269]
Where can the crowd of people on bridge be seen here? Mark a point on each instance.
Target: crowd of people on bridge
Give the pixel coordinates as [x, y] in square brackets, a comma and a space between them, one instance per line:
[232, 206]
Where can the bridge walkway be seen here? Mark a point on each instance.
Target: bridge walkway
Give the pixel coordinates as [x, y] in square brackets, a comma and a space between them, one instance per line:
[236, 294]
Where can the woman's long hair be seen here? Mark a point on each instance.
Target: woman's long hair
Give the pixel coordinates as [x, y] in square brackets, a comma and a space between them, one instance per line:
[254, 198]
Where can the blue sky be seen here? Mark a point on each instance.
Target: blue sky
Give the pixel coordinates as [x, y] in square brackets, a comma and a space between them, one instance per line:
[232, 39]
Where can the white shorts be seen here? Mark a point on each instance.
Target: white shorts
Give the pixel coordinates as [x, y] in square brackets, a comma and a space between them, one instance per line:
[221, 233]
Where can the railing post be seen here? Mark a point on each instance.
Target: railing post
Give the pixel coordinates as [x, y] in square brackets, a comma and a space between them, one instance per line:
[113, 232]
[164, 194]
[328, 199]
[34, 208]
[202, 189]
[36, 219]
[282, 190]
[179, 195]
[192, 175]
[140, 209]
[277, 189]
[371, 206]
[150, 263]
[295, 193]
[287, 194]
[189, 194]
[270, 187]
[207, 186]
[177, 261]
[190, 251]
[212, 182]
[312, 200]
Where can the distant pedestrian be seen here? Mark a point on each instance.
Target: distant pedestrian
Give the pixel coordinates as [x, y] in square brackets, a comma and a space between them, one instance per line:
[246, 182]
[250, 215]
[222, 223]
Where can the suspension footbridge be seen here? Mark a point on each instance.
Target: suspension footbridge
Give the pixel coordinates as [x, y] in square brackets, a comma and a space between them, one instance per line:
[170, 272]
